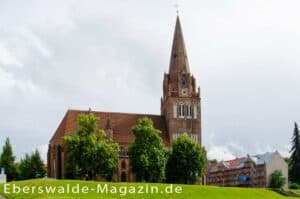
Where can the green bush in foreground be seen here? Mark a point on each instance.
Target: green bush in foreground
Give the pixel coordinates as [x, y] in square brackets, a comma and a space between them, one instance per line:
[294, 186]
[32, 166]
[277, 179]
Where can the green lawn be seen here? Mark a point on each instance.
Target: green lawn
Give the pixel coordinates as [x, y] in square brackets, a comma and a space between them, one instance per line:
[295, 191]
[188, 191]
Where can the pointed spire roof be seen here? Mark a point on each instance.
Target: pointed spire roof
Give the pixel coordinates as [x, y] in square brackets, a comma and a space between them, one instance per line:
[179, 61]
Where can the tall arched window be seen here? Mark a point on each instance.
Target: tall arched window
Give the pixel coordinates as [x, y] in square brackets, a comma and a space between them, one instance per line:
[181, 110]
[179, 107]
[122, 151]
[191, 111]
[186, 110]
[123, 165]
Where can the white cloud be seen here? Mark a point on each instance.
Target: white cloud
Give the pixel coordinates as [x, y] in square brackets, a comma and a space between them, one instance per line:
[220, 153]
[7, 57]
[34, 40]
[6, 79]
[43, 149]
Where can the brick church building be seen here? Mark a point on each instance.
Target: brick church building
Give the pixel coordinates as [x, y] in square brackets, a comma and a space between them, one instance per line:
[180, 113]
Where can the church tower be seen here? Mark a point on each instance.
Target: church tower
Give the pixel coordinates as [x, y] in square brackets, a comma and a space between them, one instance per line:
[180, 104]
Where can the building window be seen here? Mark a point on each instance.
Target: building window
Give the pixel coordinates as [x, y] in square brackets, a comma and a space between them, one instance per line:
[181, 110]
[184, 81]
[194, 137]
[123, 165]
[175, 111]
[122, 152]
[195, 112]
[185, 111]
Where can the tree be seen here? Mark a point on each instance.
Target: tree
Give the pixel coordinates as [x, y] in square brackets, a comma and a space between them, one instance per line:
[90, 153]
[213, 161]
[277, 179]
[186, 162]
[32, 166]
[147, 155]
[294, 173]
[7, 161]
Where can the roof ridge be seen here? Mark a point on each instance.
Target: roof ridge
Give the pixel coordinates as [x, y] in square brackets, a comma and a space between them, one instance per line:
[111, 112]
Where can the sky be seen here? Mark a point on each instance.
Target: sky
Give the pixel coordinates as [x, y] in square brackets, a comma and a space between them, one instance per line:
[111, 55]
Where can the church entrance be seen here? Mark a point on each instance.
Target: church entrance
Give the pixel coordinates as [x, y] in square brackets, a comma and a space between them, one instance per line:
[123, 177]
[123, 173]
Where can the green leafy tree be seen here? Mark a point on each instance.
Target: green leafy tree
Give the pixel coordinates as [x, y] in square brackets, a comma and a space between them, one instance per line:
[186, 162]
[277, 179]
[89, 152]
[147, 155]
[294, 173]
[32, 166]
[7, 161]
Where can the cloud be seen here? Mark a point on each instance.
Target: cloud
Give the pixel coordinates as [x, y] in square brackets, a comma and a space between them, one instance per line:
[7, 58]
[235, 148]
[34, 40]
[220, 153]
[43, 149]
[6, 80]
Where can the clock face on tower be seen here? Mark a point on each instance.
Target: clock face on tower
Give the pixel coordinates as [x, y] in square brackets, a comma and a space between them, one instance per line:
[184, 92]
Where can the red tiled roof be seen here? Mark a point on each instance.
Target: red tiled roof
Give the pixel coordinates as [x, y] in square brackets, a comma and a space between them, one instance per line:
[121, 124]
[227, 165]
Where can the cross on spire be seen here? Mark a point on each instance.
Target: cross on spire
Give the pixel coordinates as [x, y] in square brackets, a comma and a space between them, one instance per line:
[177, 6]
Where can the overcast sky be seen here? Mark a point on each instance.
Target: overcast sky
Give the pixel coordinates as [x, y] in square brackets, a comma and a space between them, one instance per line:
[111, 56]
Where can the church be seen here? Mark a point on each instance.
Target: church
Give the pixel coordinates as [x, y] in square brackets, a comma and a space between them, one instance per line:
[180, 113]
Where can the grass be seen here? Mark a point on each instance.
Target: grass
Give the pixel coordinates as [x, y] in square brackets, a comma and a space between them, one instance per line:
[297, 191]
[188, 191]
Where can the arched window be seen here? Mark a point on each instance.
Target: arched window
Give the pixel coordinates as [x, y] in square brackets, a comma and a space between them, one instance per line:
[190, 110]
[186, 110]
[183, 81]
[123, 165]
[122, 151]
[181, 110]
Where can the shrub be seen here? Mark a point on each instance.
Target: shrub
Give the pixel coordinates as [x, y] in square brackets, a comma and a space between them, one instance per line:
[277, 179]
[294, 186]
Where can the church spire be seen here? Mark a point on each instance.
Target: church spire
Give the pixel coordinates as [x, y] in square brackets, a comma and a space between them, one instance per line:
[178, 61]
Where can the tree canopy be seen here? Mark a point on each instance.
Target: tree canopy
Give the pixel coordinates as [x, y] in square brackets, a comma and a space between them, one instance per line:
[186, 162]
[147, 155]
[90, 153]
[7, 161]
[32, 166]
[294, 173]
